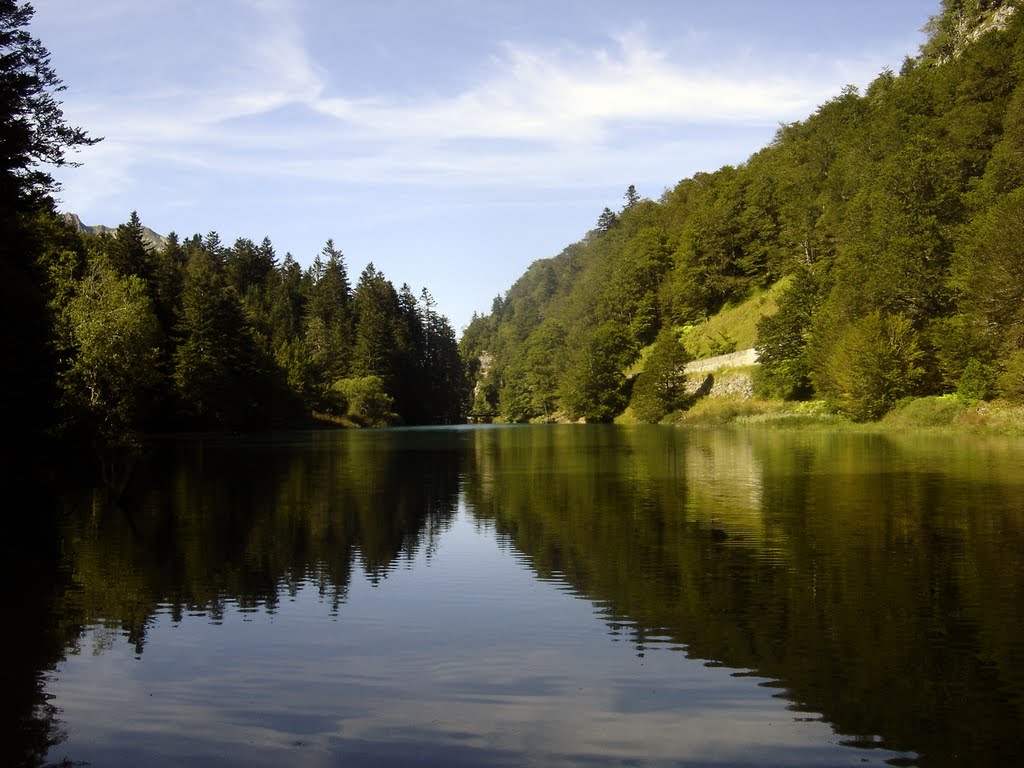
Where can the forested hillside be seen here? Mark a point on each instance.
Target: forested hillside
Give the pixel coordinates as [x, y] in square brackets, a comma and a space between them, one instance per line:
[896, 216]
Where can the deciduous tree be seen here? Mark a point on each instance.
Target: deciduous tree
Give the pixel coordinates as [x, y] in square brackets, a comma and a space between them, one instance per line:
[661, 387]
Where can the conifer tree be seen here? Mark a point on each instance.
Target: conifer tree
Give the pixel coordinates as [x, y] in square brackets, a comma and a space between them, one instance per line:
[33, 131]
[377, 339]
[329, 317]
[606, 220]
[128, 251]
[631, 197]
[33, 135]
[220, 375]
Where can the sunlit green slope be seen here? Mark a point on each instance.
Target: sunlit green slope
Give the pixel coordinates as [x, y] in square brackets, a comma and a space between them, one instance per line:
[884, 230]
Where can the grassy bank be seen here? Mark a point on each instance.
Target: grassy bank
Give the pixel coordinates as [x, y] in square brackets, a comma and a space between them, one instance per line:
[944, 413]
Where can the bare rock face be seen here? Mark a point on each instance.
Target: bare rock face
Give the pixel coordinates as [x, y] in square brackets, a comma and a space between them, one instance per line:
[998, 19]
[737, 385]
[969, 28]
[153, 239]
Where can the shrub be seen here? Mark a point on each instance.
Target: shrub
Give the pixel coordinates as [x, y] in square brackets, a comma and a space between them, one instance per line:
[976, 382]
[874, 365]
[367, 401]
[1010, 383]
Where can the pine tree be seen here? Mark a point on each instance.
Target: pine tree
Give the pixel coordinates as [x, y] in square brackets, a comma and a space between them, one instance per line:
[441, 366]
[220, 375]
[128, 251]
[376, 309]
[632, 197]
[606, 220]
[33, 135]
[328, 319]
[33, 132]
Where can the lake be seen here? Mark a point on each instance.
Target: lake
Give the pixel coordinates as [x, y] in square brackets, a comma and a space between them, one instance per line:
[549, 595]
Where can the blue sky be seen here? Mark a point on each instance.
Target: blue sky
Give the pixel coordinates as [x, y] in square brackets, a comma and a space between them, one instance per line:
[451, 143]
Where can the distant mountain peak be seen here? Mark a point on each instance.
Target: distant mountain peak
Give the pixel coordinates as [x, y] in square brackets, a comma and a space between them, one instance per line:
[153, 239]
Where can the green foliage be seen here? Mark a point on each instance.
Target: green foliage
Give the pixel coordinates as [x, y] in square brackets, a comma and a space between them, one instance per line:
[721, 344]
[661, 387]
[949, 31]
[530, 382]
[128, 252]
[215, 351]
[378, 329]
[782, 340]
[1005, 169]
[875, 364]
[938, 411]
[328, 316]
[956, 341]
[989, 273]
[485, 401]
[977, 382]
[593, 389]
[34, 137]
[630, 198]
[1010, 383]
[716, 237]
[33, 132]
[365, 400]
[109, 334]
[682, 297]
[630, 293]
[436, 382]
[606, 220]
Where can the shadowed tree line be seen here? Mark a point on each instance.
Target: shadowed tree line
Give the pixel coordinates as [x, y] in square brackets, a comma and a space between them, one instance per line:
[201, 335]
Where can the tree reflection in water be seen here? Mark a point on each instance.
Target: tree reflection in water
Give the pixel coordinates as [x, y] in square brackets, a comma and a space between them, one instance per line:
[875, 579]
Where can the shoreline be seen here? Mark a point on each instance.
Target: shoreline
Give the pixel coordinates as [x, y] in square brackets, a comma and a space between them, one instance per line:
[941, 414]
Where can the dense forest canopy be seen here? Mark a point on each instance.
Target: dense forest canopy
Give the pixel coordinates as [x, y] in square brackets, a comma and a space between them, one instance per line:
[199, 334]
[895, 215]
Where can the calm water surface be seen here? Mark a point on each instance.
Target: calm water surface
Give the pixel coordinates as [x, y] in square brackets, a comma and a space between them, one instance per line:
[529, 596]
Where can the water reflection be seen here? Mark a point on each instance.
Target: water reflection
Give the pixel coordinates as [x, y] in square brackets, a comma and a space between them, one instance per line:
[877, 579]
[414, 596]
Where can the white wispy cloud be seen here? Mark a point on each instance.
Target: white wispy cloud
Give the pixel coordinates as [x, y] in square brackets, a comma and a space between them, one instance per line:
[251, 99]
[176, 96]
[566, 97]
[537, 115]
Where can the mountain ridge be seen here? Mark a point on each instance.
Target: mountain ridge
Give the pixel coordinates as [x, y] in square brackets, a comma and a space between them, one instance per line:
[153, 239]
